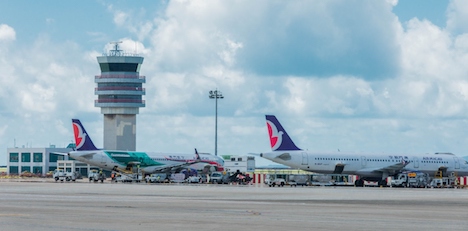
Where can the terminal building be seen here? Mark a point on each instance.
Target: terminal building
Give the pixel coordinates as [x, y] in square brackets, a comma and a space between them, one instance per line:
[35, 160]
[40, 161]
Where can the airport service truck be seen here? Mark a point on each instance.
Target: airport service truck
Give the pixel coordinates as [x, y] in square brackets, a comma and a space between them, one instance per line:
[60, 174]
[298, 179]
[219, 178]
[410, 179]
[273, 181]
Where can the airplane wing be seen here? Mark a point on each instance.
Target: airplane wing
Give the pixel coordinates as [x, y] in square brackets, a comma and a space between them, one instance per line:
[394, 168]
[390, 169]
[84, 154]
[173, 167]
[88, 155]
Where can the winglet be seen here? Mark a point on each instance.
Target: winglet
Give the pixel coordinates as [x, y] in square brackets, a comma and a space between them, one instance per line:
[82, 140]
[279, 138]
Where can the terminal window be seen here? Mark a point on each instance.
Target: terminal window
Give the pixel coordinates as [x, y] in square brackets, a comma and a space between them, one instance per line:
[13, 169]
[55, 157]
[25, 157]
[37, 157]
[14, 158]
[37, 170]
[25, 169]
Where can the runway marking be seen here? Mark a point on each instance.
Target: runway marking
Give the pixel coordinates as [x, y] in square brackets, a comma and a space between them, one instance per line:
[12, 215]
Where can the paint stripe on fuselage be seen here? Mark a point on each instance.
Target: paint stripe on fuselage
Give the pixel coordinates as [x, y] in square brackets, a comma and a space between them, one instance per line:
[126, 157]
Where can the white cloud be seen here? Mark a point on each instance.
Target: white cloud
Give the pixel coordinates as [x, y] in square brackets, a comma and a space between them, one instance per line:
[120, 18]
[7, 33]
[36, 98]
[457, 16]
[279, 38]
[340, 95]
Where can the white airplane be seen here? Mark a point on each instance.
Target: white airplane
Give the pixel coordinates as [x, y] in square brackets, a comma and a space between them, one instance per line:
[148, 162]
[369, 167]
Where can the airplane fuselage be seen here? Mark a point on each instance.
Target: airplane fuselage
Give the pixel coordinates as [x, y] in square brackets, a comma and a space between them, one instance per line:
[148, 162]
[369, 166]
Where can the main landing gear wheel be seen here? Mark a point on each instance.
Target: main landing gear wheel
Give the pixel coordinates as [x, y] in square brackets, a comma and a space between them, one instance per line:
[383, 183]
[359, 183]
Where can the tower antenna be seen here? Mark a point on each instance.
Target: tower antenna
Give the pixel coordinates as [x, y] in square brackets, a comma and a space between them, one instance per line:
[116, 51]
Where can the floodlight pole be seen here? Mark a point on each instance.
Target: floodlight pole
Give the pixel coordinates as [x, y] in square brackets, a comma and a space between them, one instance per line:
[216, 95]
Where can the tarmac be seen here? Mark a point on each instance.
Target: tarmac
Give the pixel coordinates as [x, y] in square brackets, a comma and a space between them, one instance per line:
[47, 205]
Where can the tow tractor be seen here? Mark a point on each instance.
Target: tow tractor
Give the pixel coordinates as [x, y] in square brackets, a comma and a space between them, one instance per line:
[96, 176]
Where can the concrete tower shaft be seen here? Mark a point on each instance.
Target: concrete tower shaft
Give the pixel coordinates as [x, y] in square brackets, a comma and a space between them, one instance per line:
[120, 91]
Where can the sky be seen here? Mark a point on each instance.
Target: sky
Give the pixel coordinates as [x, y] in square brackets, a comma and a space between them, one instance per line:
[364, 76]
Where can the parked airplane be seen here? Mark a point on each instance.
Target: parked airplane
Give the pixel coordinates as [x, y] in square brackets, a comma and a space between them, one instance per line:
[369, 167]
[148, 162]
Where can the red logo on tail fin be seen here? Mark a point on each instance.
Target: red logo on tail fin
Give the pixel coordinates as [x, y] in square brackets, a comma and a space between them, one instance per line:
[275, 137]
[79, 136]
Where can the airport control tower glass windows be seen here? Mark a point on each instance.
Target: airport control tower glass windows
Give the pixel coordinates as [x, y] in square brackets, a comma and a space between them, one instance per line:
[119, 67]
[119, 84]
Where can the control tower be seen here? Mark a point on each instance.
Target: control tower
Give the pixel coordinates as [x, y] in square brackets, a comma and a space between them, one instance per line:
[119, 90]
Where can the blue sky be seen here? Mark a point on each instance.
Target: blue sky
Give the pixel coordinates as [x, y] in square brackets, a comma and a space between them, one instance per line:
[367, 76]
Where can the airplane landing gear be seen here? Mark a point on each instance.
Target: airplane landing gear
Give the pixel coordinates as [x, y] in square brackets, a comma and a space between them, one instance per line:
[382, 183]
[359, 183]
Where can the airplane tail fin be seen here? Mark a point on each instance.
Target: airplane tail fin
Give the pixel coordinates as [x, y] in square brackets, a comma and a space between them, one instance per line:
[82, 140]
[197, 156]
[279, 138]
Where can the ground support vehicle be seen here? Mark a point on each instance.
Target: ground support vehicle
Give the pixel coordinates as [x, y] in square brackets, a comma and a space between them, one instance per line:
[412, 179]
[241, 178]
[193, 179]
[95, 176]
[177, 178]
[219, 178]
[276, 181]
[440, 181]
[60, 174]
[156, 178]
[295, 180]
[128, 178]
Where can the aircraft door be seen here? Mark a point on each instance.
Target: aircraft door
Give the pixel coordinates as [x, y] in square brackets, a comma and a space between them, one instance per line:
[363, 161]
[457, 162]
[415, 162]
[305, 158]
